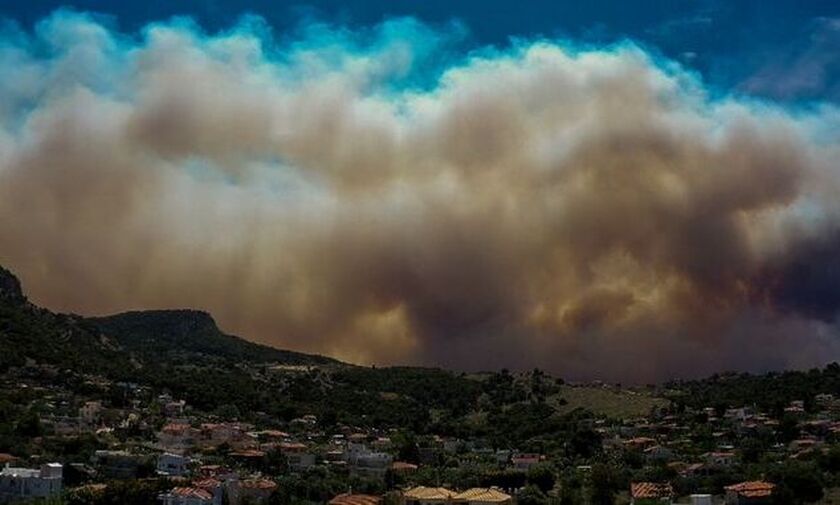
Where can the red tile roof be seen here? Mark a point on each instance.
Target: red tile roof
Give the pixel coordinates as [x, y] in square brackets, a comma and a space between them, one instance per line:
[192, 492]
[207, 483]
[651, 490]
[176, 428]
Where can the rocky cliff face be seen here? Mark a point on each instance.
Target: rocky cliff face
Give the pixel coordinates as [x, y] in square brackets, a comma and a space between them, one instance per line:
[10, 290]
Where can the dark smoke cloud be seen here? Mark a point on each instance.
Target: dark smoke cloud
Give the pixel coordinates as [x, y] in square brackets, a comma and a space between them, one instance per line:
[590, 212]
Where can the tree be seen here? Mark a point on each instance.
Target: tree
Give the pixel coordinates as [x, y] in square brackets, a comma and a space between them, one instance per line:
[569, 494]
[788, 428]
[407, 448]
[542, 476]
[532, 495]
[802, 481]
[601, 485]
[29, 425]
[584, 443]
[830, 461]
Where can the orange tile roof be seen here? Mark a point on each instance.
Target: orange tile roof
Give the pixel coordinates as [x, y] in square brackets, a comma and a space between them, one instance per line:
[428, 493]
[259, 484]
[293, 446]
[752, 489]
[651, 490]
[248, 453]
[192, 492]
[483, 494]
[274, 433]
[207, 483]
[175, 428]
[355, 499]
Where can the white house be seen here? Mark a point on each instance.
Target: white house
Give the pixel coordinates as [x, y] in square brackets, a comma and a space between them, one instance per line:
[297, 455]
[173, 465]
[26, 483]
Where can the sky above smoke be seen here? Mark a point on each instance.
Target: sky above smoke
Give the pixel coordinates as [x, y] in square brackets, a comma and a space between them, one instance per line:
[377, 195]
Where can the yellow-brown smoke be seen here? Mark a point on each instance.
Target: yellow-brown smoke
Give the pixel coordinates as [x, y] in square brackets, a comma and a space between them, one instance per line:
[594, 212]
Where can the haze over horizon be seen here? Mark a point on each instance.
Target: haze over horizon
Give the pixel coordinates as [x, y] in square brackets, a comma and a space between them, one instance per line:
[605, 199]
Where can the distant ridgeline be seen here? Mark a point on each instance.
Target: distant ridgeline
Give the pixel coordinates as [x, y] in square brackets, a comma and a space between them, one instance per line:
[192, 333]
[31, 333]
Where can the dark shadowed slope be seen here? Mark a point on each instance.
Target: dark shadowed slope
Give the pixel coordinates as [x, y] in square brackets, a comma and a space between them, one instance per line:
[32, 335]
[119, 345]
[155, 333]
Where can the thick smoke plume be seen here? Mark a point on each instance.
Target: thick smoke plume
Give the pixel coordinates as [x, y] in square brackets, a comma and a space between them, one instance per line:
[595, 212]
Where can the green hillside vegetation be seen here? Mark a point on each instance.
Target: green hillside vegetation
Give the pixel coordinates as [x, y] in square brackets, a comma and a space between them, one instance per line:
[32, 335]
[607, 401]
[769, 392]
[184, 353]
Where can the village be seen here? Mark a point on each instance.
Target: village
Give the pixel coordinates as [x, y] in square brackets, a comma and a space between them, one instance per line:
[86, 445]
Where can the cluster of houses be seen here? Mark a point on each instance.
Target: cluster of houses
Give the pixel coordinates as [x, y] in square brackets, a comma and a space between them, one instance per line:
[20, 484]
[215, 461]
[744, 493]
[211, 492]
[666, 440]
[215, 485]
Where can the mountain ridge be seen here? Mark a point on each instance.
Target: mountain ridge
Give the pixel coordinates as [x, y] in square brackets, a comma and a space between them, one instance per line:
[112, 344]
[191, 332]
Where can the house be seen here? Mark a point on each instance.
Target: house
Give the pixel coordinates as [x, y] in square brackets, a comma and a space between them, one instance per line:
[749, 493]
[30, 484]
[658, 453]
[89, 413]
[248, 456]
[525, 461]
[720, 459]
[355, 499]
[650, 493]
[429, 455]
[803, 444]
[482, 496]
[172, 465]
[696, 470]
[373, 464]
[234, 434]
[422, 495]
[639, 443]
[256, 490]
[213, 486]
[187, 496]
[178, 436]
[700, 499]
[403, 467]
[366, 462]
[174, 408]
[222, 484]
[117, 464]
[297, 455]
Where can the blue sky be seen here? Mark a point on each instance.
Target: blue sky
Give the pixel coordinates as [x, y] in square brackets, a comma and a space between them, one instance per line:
[783, 50]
